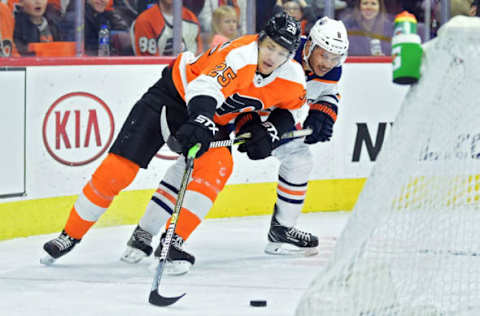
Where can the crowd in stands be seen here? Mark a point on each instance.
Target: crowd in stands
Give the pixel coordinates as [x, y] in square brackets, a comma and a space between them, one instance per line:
[145, 27]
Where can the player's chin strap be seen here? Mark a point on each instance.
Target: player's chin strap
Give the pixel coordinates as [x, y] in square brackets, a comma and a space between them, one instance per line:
[175, 146]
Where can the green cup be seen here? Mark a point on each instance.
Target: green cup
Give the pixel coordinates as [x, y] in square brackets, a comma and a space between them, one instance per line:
[407, 58]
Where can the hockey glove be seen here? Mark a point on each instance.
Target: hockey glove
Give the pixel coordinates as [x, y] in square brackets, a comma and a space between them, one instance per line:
[198, 129]
[260, 144]
[264, 136]
[320, 120]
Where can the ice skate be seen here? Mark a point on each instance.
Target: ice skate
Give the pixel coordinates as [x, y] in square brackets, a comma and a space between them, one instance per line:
[138, 246]
[178, 261]
[58, 247]
[291, 241]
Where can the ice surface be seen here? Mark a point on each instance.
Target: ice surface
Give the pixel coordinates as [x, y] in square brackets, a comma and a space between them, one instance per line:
[231, 270]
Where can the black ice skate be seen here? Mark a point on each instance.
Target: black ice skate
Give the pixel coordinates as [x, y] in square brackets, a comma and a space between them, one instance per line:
[284, 240]
[58, 247]
[138, 246]
[178, 261]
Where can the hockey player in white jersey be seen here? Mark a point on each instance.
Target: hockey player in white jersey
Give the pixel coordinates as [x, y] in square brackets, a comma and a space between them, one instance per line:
[322, 54]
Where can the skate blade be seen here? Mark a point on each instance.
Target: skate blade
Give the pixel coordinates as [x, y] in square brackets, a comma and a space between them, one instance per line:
[47, 260]
[283, 249]
[132, 255]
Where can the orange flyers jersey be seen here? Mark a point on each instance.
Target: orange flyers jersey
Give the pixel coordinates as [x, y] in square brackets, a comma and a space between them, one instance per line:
[7, 23]
[152, 34]
[228, 74]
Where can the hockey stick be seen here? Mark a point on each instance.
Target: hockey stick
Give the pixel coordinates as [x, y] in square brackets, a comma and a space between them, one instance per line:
[175, 145]
[155, 298]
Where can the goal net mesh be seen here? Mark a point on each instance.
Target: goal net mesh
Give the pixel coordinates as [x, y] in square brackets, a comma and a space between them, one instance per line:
[412, 243]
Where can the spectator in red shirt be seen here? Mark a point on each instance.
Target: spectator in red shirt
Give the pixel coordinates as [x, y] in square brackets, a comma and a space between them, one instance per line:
[152, 31]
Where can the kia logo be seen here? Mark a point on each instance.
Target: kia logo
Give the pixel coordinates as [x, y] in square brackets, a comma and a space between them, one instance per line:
[78, 128]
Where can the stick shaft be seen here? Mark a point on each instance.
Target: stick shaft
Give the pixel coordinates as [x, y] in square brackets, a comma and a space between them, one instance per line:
[173, 221]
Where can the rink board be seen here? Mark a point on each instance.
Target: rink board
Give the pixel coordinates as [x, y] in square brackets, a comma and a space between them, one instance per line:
[61, 127]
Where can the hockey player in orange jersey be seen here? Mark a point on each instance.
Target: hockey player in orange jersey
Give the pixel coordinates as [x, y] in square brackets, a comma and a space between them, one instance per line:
[152, 31]
[195, 100]
[322, 54]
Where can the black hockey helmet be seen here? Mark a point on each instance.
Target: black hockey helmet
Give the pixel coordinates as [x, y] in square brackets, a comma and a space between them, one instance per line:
[284, 30]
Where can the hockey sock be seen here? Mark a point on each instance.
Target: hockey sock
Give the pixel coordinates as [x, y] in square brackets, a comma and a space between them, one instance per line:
[290, 199]
[113, 175]
[187, 222]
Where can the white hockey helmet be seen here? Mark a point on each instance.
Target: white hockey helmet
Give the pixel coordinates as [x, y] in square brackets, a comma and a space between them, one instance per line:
[330, 35]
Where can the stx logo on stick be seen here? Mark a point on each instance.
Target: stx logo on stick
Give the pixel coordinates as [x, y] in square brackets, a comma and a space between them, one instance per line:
[205, 121]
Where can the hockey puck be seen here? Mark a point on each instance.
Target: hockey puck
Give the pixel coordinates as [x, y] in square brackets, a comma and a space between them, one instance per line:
[258, 303]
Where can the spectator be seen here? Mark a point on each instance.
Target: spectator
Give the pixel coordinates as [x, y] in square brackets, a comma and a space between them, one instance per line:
[96, 15]
[457, 7]
[460, 7]
[7, 23]
[206, 12]
[224, 25]
[369, 29]
[474, 10]
[299, 10]
[152, 31]
[34, 25]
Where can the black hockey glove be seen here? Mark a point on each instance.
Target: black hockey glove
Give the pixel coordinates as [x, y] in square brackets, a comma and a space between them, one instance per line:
[264, 136]
[200, 127]
[260, 144]
[320, 120]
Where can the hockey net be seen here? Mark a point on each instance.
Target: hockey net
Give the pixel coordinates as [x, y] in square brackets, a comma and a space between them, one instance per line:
[412, 243]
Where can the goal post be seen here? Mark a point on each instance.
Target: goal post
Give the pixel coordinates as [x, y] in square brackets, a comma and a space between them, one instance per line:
[412, 243]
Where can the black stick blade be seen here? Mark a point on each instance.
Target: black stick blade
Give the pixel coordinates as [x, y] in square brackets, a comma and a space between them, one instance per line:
[158, 300]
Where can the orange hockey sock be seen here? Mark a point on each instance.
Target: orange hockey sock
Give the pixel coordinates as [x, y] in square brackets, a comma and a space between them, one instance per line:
[186, 224]
[113, 175]
[76, 226]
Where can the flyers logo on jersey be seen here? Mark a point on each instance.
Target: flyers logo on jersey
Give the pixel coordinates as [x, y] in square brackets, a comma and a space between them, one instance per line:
[239, 103]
